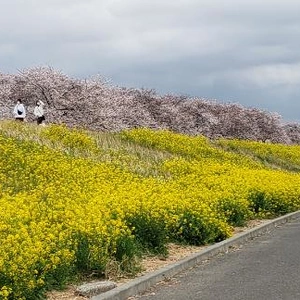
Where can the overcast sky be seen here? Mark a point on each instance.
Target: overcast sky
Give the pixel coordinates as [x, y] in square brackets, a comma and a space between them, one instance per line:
[241, 51]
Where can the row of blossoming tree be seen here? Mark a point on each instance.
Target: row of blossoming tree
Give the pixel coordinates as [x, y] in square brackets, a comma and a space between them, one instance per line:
[96, 104]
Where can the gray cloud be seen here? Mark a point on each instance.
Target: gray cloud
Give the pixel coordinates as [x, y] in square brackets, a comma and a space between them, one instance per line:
[239, 51]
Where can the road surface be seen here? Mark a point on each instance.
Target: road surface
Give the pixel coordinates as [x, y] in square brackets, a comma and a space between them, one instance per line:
[266, 268]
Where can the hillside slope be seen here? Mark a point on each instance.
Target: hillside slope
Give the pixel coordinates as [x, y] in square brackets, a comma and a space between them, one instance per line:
[76, 203]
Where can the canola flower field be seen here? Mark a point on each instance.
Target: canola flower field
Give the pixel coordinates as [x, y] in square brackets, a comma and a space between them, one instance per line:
[73, 201]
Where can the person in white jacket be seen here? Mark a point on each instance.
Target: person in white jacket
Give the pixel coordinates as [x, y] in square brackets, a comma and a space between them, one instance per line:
[39, 112]
[19, 111]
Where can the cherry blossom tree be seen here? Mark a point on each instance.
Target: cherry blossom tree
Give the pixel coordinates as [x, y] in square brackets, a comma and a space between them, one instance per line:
[96, 104]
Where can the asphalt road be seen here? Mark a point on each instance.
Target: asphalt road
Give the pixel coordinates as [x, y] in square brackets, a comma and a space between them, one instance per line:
[267, 267]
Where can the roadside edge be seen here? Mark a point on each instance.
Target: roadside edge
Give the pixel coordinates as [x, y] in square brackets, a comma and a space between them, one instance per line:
[143, 283]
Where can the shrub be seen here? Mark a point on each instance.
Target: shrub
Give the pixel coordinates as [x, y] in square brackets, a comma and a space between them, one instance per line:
[198, 230]
[150, 233]
[236, 211]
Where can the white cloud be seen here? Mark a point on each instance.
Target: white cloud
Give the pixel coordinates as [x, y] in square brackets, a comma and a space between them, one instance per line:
[267, 76]
[211, 46]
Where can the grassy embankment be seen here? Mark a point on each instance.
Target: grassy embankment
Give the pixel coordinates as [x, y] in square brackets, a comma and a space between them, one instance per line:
[72, 202]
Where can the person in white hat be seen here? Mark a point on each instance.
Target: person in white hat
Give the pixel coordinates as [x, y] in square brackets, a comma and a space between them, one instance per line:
[39, 112]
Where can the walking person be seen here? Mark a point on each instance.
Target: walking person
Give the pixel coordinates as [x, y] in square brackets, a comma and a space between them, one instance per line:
[39, 112]
[19, 111]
